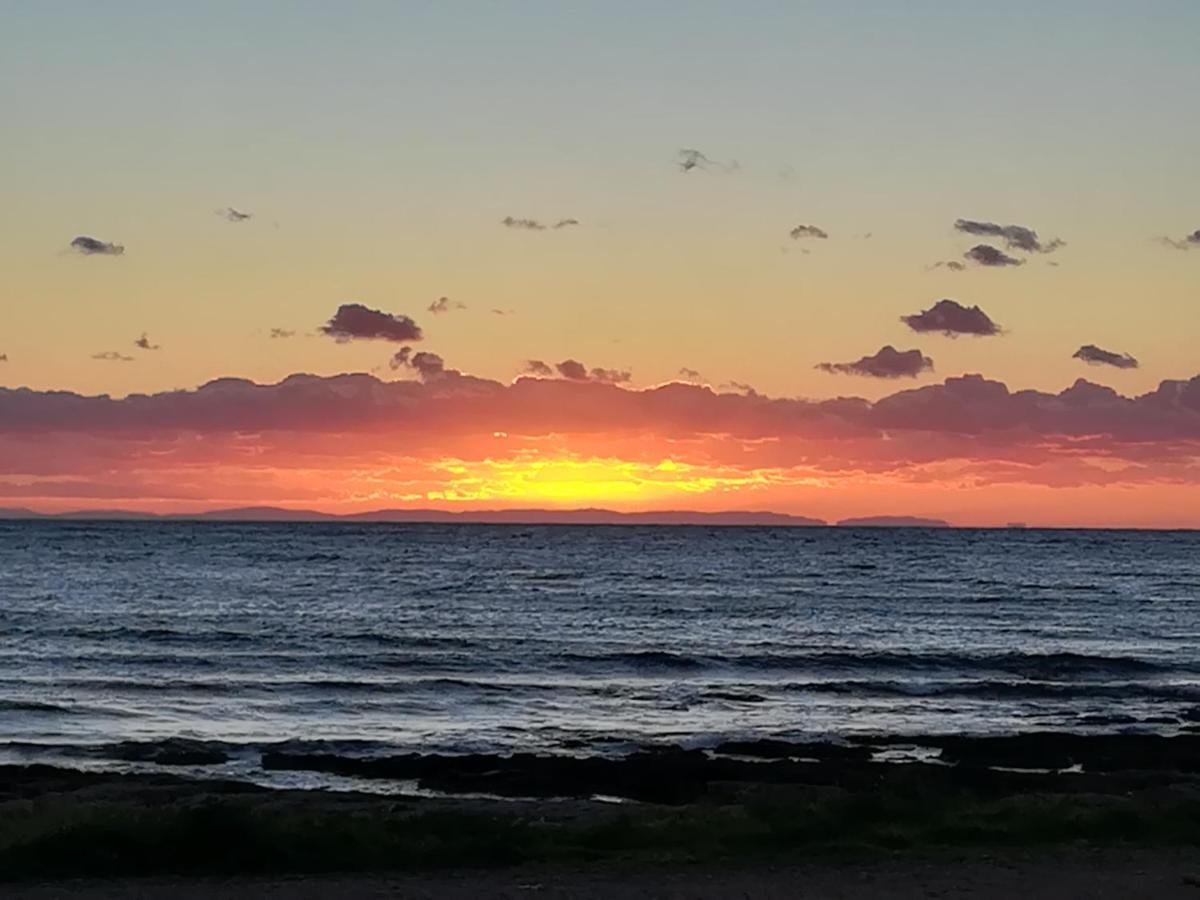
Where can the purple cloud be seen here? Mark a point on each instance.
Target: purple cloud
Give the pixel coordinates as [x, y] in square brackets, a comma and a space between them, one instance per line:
[952, 318]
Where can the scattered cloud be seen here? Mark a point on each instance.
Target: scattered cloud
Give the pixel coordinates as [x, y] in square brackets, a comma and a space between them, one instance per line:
[427, 365]
[353, 321]
[690, 374]
[539, 368]
[953, 265]
[496, 311]
[3, 357]
[90, 246]
[952, 318]
[1097, 356]
[444, 305]
[694, 159]
[887, 363]
[987, 255]
[808, 231]
[1187, 242]
[143, 343]
[112, 356]
[277, 333]
[232, 215]
[565, 223]
[1016, 237]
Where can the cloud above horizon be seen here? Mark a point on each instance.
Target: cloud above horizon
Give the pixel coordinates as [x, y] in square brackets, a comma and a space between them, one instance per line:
[143, 343]
[112, 356]
[951, 318]
[888, 362]
[353, 321]
[90, 246]
[1016, 237]
[1096, 356]
[232, 215]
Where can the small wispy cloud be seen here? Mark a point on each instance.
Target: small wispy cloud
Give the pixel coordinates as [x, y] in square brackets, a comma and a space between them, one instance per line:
[689, 374]
[1096, 356]
[1187, 242]
[952, 264]
[526, 224]
[232, 215]
[90, 246]
[536, 225]
[444, 305]
[112, 356]
[143, 343]
[278, 333]
[808, 231]
[689, 159]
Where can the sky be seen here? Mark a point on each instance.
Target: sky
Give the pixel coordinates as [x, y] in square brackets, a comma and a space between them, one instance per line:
[847, 154]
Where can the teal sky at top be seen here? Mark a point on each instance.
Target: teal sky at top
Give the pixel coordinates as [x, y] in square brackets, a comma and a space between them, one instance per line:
[393, 133]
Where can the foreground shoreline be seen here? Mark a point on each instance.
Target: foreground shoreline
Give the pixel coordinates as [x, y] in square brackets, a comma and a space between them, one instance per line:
[757, 804]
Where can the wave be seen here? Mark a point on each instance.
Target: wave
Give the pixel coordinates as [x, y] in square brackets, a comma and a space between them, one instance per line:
[1025, 664]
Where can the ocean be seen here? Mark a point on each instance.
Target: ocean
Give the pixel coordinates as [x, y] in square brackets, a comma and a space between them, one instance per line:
[574, 639]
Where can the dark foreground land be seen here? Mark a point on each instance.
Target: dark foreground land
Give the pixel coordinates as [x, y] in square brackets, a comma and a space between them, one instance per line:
[759, 819]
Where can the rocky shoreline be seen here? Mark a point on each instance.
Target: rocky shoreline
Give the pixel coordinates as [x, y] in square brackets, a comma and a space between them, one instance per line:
[743, 801]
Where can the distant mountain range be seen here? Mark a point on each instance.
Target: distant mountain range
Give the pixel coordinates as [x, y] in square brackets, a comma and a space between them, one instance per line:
[492, 516]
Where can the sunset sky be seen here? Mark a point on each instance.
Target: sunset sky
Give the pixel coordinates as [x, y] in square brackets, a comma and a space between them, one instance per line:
[392, 154]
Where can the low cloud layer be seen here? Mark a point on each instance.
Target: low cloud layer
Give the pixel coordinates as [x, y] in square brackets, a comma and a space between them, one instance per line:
[887, 363]
[1015, 237]
[952, 318]
[1097, 356]
[808, 231]
[353, 321]
[90, 246]
[987, 255]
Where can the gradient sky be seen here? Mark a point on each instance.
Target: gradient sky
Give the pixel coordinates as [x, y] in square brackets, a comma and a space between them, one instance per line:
[378, 146]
